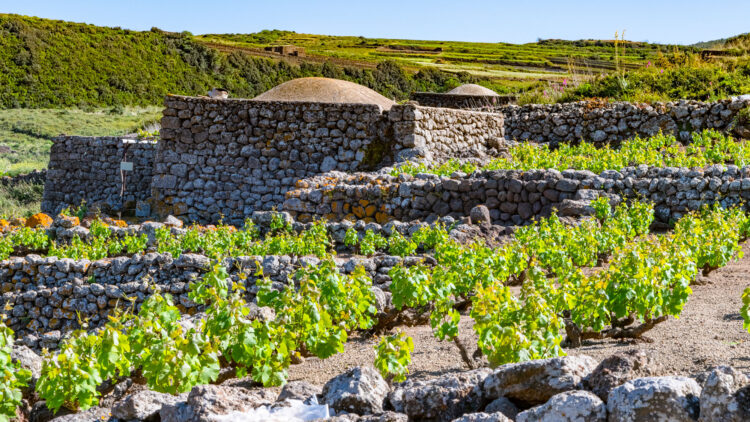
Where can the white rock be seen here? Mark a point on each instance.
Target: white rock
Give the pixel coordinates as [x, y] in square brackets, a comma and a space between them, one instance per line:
[570, 406]
[674, 399]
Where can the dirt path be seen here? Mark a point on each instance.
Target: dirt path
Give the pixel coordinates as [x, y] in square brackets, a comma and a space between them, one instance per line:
[708, 333]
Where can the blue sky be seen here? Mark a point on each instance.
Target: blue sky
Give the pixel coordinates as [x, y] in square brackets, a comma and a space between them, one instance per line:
[666, 21]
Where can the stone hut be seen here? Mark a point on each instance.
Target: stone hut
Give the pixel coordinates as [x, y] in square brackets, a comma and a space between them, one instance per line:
[223, 159]
[467, 96]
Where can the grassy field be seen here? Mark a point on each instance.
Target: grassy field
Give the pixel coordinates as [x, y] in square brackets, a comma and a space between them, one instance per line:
[21, 200]
[28, 132]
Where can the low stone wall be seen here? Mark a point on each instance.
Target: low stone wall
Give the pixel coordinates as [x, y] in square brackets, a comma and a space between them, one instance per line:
[437, 134]
[34, 177]
[89, 169]
[231, 157]
[613, 122]
[512, 196]
[464, 102]
[45, 297]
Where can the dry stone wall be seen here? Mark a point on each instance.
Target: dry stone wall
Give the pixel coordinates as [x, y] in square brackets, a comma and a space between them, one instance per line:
[89, 169]
[34, 177]
[512, 196]
[231, 157]
[437, 134]
[43, 298]
[613, 122]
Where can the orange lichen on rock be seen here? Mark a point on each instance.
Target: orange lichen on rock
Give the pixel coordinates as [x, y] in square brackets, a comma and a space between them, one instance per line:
[4, 225]
[18, 222]
[382, 218]
[72, 220]
[359, 211]
[114, 222]
[39, 220]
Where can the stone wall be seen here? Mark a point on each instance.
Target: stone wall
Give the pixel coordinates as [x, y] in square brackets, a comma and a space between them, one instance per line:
[88, 169]
[613, 122]
[437, 134]
[34, 177]
[512, 196]
[464, 102]
[45, 297]
[232, 157]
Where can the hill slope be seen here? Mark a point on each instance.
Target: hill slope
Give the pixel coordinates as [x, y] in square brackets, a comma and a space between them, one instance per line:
[49, 63]
[544, 59]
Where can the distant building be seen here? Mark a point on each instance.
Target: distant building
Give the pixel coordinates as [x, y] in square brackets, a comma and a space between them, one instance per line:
[287, 50]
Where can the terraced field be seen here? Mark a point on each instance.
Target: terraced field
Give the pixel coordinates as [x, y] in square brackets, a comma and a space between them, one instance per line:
[543, 60]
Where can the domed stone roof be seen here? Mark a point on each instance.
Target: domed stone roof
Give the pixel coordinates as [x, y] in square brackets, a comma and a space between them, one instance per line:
[473, 89]
[325, 90]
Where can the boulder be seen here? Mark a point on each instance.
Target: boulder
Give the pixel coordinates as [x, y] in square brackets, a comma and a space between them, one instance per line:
[483, 417]
[353, 417]
[570, 406]
[618, 369]
[143, 405]
[298, 390]
[360, 390]
[384, 417]
[534, 382]
[504, 406]
[443, 398]
[206, 401]
[655, 399]
[93, 414]
[39, 220]
[480, 214]
[66, 221]
[172, 221]
[28, 360]
[720, 401]
[574, 208]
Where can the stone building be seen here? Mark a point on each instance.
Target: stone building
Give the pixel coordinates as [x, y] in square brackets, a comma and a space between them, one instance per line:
[466, 97]
[224, 159]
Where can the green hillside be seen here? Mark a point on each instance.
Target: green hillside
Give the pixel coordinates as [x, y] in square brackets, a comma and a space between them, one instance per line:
[543, 60]
[50, 63]
[56, 64]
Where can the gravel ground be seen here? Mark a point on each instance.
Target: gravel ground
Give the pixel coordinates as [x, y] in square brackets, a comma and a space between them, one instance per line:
[708, 333]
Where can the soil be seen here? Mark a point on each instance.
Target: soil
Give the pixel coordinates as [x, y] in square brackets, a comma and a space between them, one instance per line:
[708, 333]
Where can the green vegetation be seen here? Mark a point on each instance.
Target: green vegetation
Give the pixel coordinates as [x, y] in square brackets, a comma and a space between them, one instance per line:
[706, 148]
[393, 356]
[12, 376]
[28, 132]
[46, 63]
[20, 200]
[689, 78]
[504, 67]
[647, 280]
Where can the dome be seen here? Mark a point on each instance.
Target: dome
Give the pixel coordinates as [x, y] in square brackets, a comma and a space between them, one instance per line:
[325, 90]
[473, 89]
